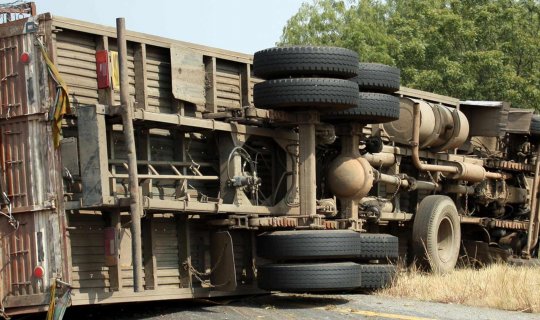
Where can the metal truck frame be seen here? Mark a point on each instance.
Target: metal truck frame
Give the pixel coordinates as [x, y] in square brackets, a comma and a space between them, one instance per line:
[170, 182]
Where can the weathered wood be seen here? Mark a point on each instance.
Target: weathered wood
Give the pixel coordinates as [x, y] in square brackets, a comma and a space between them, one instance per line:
[211, 84]
[141, 76]
[93, 156]
[86, 27]
[150, 258]
[115, 272]
[188, 75]
[247, 92]
[184, 251]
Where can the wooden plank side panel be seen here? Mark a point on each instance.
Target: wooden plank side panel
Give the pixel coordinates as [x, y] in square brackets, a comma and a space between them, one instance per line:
[158, 70]
[131, 70]
[75, 52]
[166, 251]
[88, 252]
[228, 85]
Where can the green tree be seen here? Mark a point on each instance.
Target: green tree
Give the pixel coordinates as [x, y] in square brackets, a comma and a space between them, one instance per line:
[471, 49]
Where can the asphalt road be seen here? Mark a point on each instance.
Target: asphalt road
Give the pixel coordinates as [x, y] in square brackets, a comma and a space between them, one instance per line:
[285, 307]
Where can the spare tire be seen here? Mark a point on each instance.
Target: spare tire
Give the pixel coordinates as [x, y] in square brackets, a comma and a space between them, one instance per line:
[300, 93]
[372, 108]
[301, 61]
[377, 77]
[309, 277]
[309, 244]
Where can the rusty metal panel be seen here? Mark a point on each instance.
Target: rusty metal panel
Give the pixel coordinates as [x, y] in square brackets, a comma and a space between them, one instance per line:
[12, 81]
[76, 61]
[27, 169]
[14, 151]
[19, 250]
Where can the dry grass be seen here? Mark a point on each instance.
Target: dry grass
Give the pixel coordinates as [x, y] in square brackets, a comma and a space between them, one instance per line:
[497, 286]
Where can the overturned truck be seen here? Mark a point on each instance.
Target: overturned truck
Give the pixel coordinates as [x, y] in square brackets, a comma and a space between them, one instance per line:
[138, 168]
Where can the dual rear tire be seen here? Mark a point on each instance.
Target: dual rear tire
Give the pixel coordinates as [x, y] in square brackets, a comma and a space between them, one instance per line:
[310, 261]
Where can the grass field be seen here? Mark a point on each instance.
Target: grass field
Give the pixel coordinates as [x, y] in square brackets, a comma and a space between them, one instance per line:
[498, 286]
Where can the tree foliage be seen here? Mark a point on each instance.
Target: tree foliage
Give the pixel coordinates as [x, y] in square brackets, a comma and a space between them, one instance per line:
[471, 49]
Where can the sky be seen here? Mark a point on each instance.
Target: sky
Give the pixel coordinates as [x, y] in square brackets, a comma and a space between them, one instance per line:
[239, 25]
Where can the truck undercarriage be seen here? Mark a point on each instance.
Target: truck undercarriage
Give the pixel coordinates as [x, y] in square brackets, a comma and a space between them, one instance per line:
[186, 171]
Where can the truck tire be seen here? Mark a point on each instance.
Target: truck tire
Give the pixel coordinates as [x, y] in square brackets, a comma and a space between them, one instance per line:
[300, 93]
[298, 61]
[309, 244]
[309, 277]
[330, 244]
[377, 276]
[378, 246]
[437, 233]
[372, 108]
[377, 77]
[535, 125]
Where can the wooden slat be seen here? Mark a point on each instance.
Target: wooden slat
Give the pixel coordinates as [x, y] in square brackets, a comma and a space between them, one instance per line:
[89, 258]
[228, 103]
[67, 46]
[85, 284]
[168, 280]
[91, 275]
[89, 267]
[168, 272]
[82, 73]
[89, 250]
[229, 95]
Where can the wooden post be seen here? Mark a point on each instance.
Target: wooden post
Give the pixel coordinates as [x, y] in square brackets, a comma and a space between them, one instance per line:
[127, 122]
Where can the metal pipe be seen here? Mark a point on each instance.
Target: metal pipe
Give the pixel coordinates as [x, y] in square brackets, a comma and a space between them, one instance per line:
[127, 122]
[382, 159]
[497, 175]
[404, 183]
[415, 145]
[459, 189]
[532, 234]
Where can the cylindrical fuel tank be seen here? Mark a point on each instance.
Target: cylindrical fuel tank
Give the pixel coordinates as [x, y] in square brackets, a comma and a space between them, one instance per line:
[441, 127]
[350, 177]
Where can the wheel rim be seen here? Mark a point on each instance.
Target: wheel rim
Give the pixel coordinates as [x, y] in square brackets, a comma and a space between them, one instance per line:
[445, 239]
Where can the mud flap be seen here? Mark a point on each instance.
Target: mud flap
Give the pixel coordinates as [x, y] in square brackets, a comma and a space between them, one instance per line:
[223, 276]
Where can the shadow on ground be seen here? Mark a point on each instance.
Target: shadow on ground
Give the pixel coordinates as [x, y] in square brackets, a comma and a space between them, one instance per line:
[202, 307]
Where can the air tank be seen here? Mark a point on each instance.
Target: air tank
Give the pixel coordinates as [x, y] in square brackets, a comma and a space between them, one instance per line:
[441, 127]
